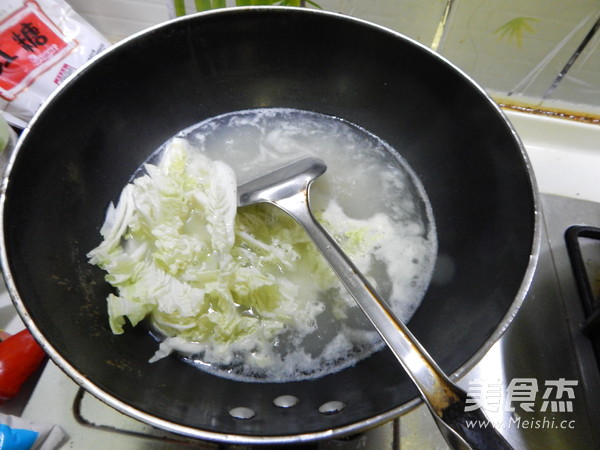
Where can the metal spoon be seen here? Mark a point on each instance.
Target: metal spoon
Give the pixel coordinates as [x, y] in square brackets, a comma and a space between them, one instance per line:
[288, 189]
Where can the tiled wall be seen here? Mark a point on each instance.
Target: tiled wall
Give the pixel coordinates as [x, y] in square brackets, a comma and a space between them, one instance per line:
[520, 47]
[523, 51]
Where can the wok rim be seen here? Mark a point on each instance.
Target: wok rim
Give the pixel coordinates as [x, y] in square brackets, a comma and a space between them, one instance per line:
[242, 439]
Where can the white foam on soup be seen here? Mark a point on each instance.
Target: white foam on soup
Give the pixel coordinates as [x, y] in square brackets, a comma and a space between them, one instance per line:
[367, 184]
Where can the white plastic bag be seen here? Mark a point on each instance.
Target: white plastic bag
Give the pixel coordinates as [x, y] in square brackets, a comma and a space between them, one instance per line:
[41, 43]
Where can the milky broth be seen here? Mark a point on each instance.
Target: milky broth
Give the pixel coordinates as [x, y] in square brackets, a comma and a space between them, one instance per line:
[366, 184]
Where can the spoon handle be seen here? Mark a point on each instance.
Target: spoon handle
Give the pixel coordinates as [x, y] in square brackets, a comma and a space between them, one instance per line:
[445, 400]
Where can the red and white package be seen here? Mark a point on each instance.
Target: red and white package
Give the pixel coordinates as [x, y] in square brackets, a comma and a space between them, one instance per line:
[41, 43]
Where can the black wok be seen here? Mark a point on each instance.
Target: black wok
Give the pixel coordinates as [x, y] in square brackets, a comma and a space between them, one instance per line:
[91, 136]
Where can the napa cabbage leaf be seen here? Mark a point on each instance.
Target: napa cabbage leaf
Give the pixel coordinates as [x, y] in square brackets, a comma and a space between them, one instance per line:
[208, 276]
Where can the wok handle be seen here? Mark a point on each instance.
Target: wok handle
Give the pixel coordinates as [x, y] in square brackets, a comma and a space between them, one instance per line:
[445, 400]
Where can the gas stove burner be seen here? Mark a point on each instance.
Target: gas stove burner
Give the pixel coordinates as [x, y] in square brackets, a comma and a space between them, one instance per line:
[586, 270]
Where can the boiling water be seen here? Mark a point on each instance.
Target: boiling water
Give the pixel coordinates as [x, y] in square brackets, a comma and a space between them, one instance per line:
[366, 182]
